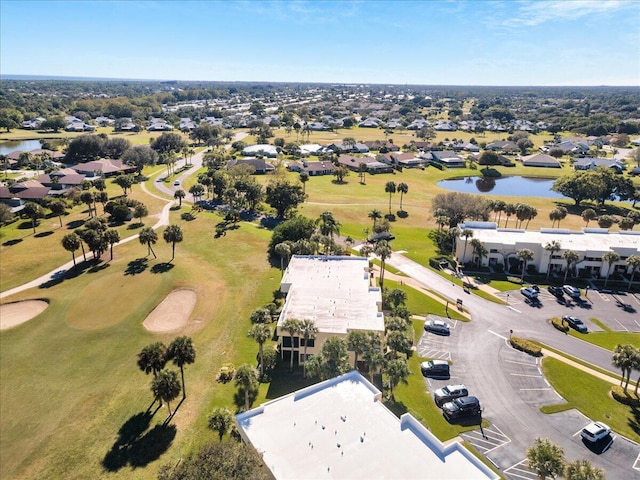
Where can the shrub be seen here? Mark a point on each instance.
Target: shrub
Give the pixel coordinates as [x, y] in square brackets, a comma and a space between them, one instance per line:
[526, 346]
[559, 324]
[628, 398]
[439, 166]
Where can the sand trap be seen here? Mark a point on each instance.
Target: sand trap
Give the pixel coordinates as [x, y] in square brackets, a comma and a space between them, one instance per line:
[12, 314]
[172, 313]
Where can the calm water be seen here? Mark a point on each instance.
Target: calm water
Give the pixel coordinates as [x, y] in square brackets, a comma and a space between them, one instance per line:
[514, 186]
[24, 145]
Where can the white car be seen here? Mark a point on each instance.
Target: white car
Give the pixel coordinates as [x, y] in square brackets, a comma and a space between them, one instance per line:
[572, 291]
[437, 326]
[529, 292]
[595, 431]
[448, 393]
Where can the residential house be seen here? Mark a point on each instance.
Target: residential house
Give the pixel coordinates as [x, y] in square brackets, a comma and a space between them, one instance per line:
[62, 180]
[186, 125]
[418, 124]
[371, 122]
[319, 168]
[541, 160]
[405, 160]
[33, 123]
[105, 167]
[27, 191]
[260, 165]
[262, 149]
[318, 126]
[445, 126]
[105, 121]
[503, 146]
[373, 166]
[377, 145]
[448, 158]
[587, 163]
[158, 125]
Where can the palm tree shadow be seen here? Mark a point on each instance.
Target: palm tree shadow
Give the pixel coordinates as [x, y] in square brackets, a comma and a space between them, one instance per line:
[136, 267]
[162, 267]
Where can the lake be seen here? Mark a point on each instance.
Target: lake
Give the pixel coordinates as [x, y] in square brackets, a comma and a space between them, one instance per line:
[515, 186]
[9, 146]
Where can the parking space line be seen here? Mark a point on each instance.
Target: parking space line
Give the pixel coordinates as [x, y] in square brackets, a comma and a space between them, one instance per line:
[497, 334]
[488, 438]
[577, 433]
[604, 298]
[636, 464]
[533, 389]
[522, 363]
[625, 328]
[636, 298]
[524, 375]
[514, 309]
[522, 469]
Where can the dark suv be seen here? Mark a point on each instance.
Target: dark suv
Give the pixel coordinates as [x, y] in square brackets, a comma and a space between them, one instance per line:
[435, 368]
[462, 407]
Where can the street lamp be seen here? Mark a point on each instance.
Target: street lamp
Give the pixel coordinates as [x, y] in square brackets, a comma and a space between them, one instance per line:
[507, 299]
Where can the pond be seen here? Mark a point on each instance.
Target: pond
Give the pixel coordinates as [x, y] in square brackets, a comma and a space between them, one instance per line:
[22, 145]
[515, 186]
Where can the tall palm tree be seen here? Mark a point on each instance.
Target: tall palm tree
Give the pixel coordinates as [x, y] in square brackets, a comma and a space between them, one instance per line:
[375, 215]
[166, 387]
[479, 249]
[182, 353]
[498, 207]
[327, 224]
[383, 251]
[153, 358]
[304, 178]
[552, 247]
[509, 210]
[610, 257]
[58, 208]
[545, 458]
[179, 195]
[220, 421]
[635, 365]
[33, 211]
[588, 215]
[403, 188]
[148, 237]
[173, 234]
[525, 255]
[357, 342]
[283, 250]
[397, 371]
[571, 257]
[374, 358]
[634, 262]
[260, 333]
[112, 237]
[308, 330]
[582, 470]
[247, 382]
[292, 327]
[466, 233]
[390, 188]
[362, 168]
[71, 243]
[624, 358]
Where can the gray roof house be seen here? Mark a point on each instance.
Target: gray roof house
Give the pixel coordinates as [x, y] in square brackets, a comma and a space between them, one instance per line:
[541, 160]
[448, 158]
[587, 163]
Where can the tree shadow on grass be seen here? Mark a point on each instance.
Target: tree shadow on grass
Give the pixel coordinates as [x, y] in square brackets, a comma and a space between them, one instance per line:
[26, 225]
[75, 224]
[98, 266]
[283, 382]
[9, 243]
[162, 267]
[402, 214]
[135, 447]
[43, 234]
[137, 266]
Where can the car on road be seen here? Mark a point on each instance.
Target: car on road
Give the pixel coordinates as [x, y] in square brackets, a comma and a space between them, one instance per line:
[529, 292]
[556, 291]
[595, 431]
[449, 393]
[575, 323]
[435, 368]
[176, 183]
[437, 326]
[572, 291]
[462, 407]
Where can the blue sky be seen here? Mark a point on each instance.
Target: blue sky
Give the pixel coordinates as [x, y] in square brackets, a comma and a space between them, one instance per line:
[417, 42]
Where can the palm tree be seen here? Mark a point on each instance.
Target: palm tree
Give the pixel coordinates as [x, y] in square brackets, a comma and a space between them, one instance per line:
[636, 366]
[582, 470]
[33, 211]
[375, 214]
[570, 257]
[173, 234]
[220, 421]
[282, 250]
[308, 330]
[466, 233]
[509, 210]
[403, 188]
[545, 458]
[112, 237]
[634, 262]
[247, 382]
[58, 208]
[552, 247]
[304, 178]
[610, 257]
[588, 215]
[525, 255]
[397, 372]
[292, 327]
[479, 249]
[390, 188]
[179, 195]
[383, 251]
[140, 211]
[182, 353]
[71, 243]
[153, 358]
[166, 387]
[362, 168]
[328, 225]
[374, 359]
[623, 358]
[357, 342]
[260, 333]
[498, 207]
[87, 198]
[148, 236]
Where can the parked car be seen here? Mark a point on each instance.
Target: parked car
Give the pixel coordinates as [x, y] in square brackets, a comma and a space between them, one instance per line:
[595, 431]
[435, 368]
[575, 323]
[176, 183]
[448, 393]
[437, 326]
[557, 291]
[572, 291]
[462, 407]
[529, 292]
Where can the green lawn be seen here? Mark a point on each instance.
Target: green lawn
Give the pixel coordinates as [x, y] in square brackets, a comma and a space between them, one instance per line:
[608, 340]
[420, 304]
[572, 384]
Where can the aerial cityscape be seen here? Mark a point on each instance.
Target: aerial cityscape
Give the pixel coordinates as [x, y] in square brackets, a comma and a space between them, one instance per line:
[320, 239]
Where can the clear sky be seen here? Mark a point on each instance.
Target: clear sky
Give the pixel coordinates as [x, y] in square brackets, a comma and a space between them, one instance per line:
[508, 42]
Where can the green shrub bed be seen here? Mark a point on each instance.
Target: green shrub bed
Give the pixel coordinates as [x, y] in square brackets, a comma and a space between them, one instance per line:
[559, 324]
[526, 346]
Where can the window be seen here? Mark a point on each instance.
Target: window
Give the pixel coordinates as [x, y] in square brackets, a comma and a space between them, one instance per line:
[310, 343]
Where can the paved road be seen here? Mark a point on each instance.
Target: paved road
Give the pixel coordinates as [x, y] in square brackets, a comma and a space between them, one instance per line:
[510, 384]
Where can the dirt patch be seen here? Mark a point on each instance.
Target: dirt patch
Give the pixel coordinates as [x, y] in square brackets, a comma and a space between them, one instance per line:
[12, 314]
[172, 313]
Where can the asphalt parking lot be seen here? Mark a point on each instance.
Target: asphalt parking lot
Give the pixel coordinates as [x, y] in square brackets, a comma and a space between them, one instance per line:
[432, 345]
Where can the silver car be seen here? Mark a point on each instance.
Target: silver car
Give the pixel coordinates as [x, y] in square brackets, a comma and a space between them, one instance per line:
[437, 326]
[448, 393]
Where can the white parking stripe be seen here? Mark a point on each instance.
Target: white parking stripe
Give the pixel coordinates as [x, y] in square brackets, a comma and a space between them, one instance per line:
[521, 363]
[497, 334]
[636, 464]
[524, 375]
[514, 309]
[625, 328]
[533, 389]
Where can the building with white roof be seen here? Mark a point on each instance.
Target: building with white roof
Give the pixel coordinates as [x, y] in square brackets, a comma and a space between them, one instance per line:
[340, 429]
[335, 293]
[590, 244]
[263, 149]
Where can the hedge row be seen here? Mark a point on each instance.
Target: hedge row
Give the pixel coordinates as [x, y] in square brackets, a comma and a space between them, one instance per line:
[439, 166]
[559, 324]
[526, 346]
[629, 398]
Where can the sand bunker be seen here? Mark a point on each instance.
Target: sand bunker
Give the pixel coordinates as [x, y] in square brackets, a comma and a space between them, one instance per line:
[12, 314]
[172, 313]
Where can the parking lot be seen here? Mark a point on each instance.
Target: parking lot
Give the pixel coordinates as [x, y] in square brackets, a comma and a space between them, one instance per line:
[432, 345]
[619, 311]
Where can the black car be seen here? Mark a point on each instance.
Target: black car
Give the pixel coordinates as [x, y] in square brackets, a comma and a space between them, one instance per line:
[462, 407]
[556, 291]
[435, 368]
[575, 323]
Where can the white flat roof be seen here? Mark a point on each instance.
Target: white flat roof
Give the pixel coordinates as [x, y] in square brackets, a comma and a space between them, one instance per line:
[339, 429]
[588, 240]
[332, 291]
